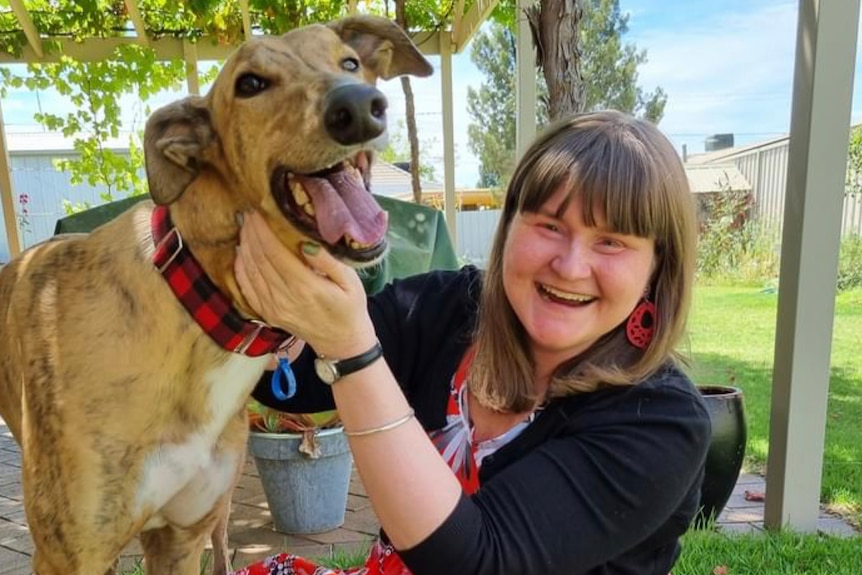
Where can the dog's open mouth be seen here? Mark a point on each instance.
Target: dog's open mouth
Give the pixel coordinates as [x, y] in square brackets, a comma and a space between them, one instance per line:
[335, 207]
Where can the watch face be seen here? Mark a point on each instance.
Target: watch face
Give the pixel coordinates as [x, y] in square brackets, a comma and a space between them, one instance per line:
[325, 370]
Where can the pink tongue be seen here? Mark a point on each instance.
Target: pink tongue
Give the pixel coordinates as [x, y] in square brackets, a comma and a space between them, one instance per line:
[342, 206]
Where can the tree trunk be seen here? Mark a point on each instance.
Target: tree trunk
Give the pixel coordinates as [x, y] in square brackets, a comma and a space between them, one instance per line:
[410, 113]
[554, 25]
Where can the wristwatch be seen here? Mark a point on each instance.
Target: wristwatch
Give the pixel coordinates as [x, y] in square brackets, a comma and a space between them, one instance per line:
[331, 370]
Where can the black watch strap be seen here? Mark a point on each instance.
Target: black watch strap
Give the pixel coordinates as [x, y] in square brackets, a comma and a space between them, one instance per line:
[357, 362]
[331, 370]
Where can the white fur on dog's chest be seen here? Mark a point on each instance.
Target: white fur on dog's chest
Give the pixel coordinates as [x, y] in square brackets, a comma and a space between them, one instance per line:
[182, 481]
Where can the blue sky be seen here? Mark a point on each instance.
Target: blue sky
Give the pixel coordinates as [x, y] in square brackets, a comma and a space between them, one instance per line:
[726, 65]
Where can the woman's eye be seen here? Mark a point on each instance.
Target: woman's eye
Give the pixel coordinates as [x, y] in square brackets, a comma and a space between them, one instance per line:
[611, 244]
[550, 226]
[350, 64]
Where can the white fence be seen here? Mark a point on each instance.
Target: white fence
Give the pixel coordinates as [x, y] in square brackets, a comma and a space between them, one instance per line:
[476, 234]
[41, 189]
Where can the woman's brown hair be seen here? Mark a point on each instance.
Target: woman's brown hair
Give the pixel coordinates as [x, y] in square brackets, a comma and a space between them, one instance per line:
[629, 171]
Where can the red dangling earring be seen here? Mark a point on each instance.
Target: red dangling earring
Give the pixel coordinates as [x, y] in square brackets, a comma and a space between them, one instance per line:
[641, 324]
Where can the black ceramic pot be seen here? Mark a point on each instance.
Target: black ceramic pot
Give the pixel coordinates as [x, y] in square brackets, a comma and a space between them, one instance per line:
[726, 449]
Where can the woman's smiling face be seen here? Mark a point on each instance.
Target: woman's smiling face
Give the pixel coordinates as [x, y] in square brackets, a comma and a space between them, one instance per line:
[570, 283]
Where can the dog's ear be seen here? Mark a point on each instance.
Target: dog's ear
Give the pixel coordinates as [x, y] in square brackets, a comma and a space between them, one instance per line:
[176, 139]
[382, 45]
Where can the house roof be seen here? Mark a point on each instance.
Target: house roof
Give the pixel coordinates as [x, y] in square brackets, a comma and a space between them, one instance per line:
[391, 181]
[52, 143]
[730, 153]
[386, 179]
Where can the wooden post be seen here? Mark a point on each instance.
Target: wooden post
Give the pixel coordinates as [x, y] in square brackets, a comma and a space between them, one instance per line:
[817, 159]
[448, 137]
[6, 194]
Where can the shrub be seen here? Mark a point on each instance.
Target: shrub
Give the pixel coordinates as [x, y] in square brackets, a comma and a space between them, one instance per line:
[732, 248]
[850, 262]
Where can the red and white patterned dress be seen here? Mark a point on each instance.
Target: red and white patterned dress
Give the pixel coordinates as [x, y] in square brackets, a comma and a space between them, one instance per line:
[455, 443]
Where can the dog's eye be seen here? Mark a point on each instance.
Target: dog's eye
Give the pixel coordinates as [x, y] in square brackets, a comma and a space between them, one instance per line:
[350, 64]
[249, 85]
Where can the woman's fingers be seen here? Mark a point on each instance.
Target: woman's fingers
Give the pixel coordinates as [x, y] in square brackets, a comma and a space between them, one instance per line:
[289, 290]
[271, 259]
[325, 264]
[246, 285]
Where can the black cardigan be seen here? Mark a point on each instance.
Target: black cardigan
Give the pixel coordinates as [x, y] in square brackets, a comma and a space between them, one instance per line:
[600, 483]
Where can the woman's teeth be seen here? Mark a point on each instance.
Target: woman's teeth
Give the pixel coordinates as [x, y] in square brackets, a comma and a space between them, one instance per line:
[565, 296]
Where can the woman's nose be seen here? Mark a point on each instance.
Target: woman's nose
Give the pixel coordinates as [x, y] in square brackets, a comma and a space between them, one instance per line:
[572, 261]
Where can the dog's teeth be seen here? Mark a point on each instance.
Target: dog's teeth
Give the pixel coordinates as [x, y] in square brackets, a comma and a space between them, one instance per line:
[355, 245]
[309, 208]
[299, 193]
[354, 173]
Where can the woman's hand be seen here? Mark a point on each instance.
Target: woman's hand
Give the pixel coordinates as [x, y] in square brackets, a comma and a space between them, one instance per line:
[315, 297]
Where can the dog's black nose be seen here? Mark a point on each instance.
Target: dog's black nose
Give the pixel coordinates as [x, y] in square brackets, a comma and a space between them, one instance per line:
[354, 113]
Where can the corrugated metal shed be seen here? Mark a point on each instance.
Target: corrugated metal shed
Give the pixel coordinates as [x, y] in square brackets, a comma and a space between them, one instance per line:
[764, 166]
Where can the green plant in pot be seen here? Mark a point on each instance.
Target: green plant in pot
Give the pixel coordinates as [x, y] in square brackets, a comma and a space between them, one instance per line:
[304, 464]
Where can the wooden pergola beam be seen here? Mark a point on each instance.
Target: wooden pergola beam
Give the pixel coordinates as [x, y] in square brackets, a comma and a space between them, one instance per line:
[208, 47]
[137, 21]
[458, 19]
[246, 18]
[470, 22]
[190, 55]
[26, 22]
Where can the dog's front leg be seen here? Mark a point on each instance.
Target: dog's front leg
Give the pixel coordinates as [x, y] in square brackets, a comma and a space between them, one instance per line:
[221, 552]
[172, 551]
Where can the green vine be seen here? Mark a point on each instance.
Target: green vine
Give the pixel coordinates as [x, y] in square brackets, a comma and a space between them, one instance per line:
[193, 19]
[95, 88]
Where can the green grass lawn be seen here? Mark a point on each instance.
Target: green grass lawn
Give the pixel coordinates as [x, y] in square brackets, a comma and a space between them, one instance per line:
[732, 342]
[710, 553]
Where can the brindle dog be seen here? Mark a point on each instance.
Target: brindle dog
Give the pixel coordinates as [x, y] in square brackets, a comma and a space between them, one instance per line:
[131, 419]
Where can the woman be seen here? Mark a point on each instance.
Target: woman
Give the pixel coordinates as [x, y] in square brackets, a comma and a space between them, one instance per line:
[554, 431]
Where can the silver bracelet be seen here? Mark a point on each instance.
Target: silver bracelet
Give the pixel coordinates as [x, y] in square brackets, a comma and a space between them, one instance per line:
[385, 427]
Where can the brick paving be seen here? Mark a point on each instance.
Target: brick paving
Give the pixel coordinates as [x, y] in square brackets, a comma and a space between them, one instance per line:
[251, 535]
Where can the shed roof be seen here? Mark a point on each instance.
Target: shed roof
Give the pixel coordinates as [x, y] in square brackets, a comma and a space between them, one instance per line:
[716, 178]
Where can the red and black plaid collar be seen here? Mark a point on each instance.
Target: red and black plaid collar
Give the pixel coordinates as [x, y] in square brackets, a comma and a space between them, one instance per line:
[203, 300]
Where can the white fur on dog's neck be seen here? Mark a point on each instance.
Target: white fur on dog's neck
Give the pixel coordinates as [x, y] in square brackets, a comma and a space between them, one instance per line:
[193, 468]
